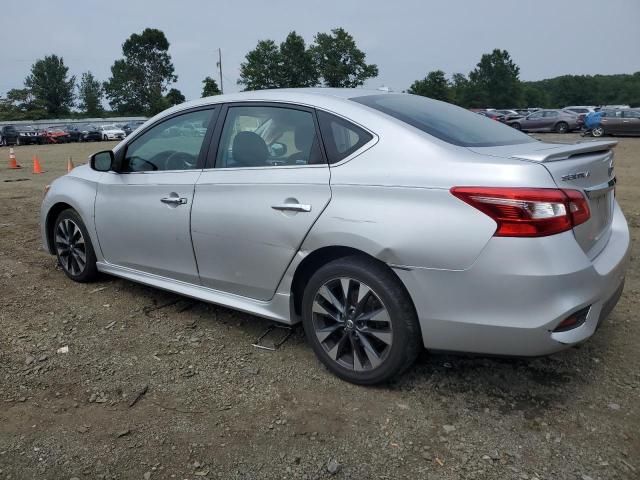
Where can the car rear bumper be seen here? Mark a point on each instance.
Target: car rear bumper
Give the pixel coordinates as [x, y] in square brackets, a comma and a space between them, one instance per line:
[517, 292]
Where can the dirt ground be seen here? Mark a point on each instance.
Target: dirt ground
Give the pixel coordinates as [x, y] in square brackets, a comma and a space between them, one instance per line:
[209, 405]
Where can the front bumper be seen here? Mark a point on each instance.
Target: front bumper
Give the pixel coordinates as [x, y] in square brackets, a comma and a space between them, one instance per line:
[517, 292]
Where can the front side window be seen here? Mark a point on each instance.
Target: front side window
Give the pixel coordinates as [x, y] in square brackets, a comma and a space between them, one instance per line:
[256, 136]
[535, 116]
[173, 144]
[444, 121]
[550, 114]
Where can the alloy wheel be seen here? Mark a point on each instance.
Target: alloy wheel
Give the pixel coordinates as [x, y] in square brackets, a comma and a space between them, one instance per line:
[352, 324]
[597, 132]
[71, 247]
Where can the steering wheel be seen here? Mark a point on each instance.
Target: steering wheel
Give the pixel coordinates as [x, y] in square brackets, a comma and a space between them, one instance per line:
[180, 161]
[141, 162]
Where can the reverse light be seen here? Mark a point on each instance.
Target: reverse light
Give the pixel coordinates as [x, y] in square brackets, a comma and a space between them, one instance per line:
[527, 212]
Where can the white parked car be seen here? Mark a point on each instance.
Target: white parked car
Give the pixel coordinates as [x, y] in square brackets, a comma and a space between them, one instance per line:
[111, 132]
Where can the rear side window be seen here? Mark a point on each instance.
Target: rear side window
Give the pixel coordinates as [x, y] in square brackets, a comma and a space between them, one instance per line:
[341, 138]
[447, 122]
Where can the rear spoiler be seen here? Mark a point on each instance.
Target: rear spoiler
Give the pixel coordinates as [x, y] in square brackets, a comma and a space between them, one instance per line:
[563, 152]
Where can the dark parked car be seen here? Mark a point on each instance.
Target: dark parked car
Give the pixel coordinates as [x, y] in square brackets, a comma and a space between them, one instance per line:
[559, 121]
[83, 133]
[131, 126]
[8, 135]
[28, 136]
[618, 122]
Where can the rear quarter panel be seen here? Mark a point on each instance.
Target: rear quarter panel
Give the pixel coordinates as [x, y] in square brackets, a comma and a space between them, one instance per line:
[393, 201]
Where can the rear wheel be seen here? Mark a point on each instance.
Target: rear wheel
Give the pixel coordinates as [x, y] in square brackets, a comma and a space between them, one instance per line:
[598, 131]
[73, 247]
[562, 127]
[360, 320]
[516, 125]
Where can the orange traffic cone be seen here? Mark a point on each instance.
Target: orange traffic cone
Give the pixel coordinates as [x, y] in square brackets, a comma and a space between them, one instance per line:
[36, 165]
[13, 164]
[70, 165]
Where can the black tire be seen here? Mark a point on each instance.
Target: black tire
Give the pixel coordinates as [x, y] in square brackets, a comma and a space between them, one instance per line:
[18, 141]
[387, 292]
[562, 127]
[105, 138]
[598, 131]
[516, 125]
[70, 263]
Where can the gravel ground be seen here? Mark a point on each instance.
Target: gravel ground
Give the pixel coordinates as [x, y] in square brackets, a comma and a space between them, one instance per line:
[158, 386]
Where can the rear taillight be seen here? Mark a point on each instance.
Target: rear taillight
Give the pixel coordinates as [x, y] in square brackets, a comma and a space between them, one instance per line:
[527, 212]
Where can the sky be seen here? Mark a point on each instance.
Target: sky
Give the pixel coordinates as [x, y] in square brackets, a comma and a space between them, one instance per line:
[405, 38]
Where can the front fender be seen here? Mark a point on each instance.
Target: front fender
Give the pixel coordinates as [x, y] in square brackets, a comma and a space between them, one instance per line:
[75, 192]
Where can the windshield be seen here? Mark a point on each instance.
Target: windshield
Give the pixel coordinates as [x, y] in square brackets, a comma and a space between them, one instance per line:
[447, 122]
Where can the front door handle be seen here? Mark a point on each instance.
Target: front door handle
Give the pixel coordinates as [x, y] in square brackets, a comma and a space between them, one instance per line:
[292, 207]
[174, 200]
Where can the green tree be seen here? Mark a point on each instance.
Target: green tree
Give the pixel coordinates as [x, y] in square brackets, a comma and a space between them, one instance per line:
[495, 81]
[297, 67]
[51, 86]
[339, 61]
[261, 68]
[90, 95]
[175, 97]
[139, 80]
[210, 87]
[434, 85]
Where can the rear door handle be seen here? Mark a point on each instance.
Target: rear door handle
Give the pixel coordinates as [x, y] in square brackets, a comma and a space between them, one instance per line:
[174, 200]
[292, 207]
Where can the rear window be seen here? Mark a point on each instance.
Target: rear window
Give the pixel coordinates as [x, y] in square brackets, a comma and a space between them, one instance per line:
[447, 122]
[341, 138]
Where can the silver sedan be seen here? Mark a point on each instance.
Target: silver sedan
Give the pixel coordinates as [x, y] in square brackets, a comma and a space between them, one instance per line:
[385, 223]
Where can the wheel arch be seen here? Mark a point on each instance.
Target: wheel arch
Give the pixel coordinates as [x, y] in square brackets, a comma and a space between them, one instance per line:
[52, 214]
[320, 257]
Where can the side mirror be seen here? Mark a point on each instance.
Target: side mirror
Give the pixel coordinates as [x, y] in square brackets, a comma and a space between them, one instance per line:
[102, 161]
[278, 149]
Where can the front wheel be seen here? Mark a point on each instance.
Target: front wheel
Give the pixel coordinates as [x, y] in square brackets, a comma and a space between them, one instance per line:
[360, 320]
[598, 131]
[517, 126]
[562, 127]
[73, 247]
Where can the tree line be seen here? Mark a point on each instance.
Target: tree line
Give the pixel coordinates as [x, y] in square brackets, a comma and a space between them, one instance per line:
[495, 82]
[141, 81]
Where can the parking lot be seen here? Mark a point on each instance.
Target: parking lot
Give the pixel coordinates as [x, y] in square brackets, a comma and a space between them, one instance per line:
[155, 385]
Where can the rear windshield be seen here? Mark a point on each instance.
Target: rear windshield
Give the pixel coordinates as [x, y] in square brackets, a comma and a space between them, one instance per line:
[447, 122]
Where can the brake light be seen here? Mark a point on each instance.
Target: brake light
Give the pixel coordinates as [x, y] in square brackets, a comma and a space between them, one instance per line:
[527, 212]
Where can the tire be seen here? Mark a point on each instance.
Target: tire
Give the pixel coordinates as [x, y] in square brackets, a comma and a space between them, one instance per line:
[598, 131]
[105, 138]
[18, 141]
[364, 351]
[70, 235]
[562, 127]
[516, 125]
[3, 142]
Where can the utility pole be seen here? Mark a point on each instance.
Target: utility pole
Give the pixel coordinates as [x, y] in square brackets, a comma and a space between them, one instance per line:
[219, 65]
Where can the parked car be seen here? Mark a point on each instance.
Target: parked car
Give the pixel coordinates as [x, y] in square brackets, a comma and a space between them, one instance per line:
[8, 135]
[493, 115]
[559, 121]
[618, 122]
[83, 133]
[131, 126]
[55, 135]
[581, 109]
[111, 132]
[384, 222]
[509, 114]
[28, 135]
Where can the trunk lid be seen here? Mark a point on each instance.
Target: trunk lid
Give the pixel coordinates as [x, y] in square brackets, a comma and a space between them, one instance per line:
[586, 166]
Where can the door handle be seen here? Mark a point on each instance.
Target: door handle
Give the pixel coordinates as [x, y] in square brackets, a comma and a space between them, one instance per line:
[292, 207]
[174, 200]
